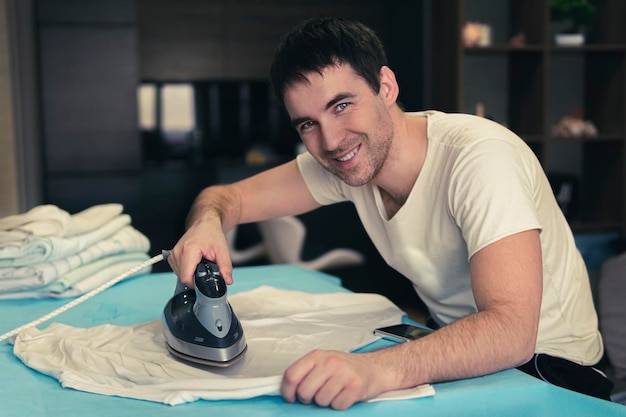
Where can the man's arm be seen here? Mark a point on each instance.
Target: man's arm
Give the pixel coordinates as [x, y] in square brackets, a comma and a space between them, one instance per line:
[507, 284]
[280, 191]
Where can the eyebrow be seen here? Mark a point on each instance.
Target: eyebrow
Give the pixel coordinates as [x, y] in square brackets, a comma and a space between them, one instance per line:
[331, 103]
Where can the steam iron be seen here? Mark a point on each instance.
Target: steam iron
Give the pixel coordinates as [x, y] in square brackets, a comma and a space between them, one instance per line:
[199, 324]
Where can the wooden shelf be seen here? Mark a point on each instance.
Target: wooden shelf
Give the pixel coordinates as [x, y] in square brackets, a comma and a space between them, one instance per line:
[582, 227]
[588, 48]
[530, 87]
[506, 48]
[586, 139]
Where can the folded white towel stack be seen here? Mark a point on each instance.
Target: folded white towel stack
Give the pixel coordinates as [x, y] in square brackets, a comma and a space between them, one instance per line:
[47, 252]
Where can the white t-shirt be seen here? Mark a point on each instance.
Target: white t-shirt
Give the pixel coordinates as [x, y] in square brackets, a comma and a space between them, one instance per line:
[480, 183]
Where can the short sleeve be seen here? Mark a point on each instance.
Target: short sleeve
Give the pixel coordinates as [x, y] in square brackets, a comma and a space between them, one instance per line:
[325, 187]
[493, 193]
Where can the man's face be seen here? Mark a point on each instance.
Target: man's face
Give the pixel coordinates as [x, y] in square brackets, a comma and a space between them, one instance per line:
[342, 122]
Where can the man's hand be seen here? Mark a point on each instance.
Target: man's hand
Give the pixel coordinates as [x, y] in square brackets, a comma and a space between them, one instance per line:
[201, 240]
[335, 379]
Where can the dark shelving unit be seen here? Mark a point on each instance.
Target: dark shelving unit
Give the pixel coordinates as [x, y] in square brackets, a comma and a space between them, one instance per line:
[529, 87]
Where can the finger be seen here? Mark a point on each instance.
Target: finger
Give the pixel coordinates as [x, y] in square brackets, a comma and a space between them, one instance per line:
[293, 376]
[344, 399]
[225, 265]
[226, 269]
[221, 256]
[186, 275]
[314, 383]
[174, 261]
[325, 393]
[349, 390]
[171, 260]
[342, 387]
[329, 393]
[187, 267]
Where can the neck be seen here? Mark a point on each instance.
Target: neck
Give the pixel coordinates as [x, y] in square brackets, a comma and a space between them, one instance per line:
[404, 162]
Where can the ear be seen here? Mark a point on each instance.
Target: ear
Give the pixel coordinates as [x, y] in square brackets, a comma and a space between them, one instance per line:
[389, 88]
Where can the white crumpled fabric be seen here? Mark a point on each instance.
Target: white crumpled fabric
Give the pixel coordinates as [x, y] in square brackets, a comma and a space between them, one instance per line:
[280, 326]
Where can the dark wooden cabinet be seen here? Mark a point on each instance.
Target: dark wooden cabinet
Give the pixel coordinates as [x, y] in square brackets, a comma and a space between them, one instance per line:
[530, 86]
[88, 81]
[89, 73]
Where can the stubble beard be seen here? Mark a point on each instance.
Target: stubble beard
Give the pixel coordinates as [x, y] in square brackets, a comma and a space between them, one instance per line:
[373, 154]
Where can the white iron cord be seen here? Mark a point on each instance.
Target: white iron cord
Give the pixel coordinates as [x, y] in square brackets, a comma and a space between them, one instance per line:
[86, 296]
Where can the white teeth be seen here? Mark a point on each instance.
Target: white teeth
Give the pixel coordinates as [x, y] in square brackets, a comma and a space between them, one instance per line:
[348, 156]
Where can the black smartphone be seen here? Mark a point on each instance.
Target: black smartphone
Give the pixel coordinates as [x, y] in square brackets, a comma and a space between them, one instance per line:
[402, 332]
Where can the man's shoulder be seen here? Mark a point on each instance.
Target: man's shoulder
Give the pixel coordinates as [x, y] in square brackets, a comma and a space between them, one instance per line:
[463, 130]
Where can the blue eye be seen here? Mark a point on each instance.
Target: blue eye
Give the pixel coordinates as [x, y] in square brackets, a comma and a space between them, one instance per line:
[306, 125]
[342, 106]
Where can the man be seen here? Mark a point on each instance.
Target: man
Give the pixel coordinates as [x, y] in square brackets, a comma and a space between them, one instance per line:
[456, 203]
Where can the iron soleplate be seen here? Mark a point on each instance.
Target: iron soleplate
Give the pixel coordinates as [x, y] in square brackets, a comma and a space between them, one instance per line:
[202, 361]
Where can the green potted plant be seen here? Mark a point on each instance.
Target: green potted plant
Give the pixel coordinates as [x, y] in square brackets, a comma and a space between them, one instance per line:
[578, 14]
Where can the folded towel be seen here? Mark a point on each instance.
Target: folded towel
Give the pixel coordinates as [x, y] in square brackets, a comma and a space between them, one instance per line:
[49, 220]
[35, 249]
[45, 220]
[92, 275]
[85, 278]
[24, 278]
[92, 218]
[280, 326]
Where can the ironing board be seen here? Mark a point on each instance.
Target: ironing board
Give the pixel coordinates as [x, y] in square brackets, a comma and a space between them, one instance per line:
[25, 392]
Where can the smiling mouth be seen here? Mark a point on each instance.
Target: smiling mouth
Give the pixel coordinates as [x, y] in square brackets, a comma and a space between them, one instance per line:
[348, 156]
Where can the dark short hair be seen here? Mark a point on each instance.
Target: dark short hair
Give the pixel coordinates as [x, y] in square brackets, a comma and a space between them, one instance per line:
[318, 43]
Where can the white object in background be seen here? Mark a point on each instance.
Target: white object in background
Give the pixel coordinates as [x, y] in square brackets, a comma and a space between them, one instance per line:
[146, 101]
[569, 39]
[300, 148]
[240, 256]
[284, 239]
[485, 35]
[178, 108]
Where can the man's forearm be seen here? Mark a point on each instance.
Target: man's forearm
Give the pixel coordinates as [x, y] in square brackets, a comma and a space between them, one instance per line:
[214, 211]
[217, 202]
[479, 344]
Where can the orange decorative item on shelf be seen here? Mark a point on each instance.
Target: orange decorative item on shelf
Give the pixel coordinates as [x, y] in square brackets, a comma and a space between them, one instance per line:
[476, 34]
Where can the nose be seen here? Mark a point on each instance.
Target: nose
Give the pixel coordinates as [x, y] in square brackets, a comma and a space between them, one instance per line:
[330, 136]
